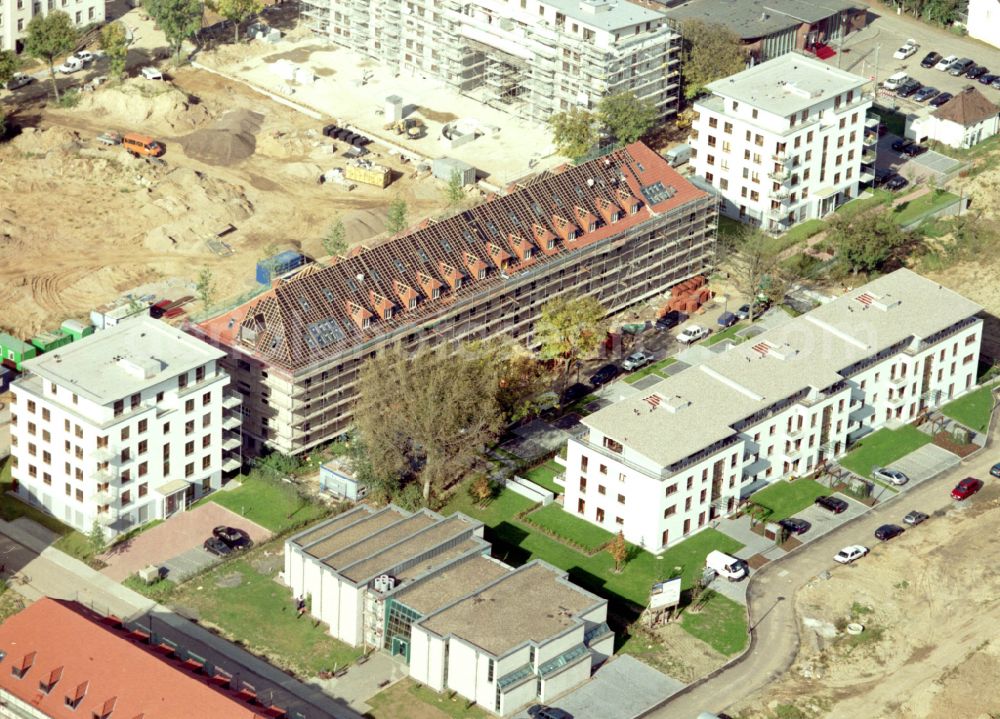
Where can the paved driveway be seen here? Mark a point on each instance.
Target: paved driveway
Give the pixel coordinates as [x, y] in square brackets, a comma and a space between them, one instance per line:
[924, 463]
[176, 543]
[824, 522]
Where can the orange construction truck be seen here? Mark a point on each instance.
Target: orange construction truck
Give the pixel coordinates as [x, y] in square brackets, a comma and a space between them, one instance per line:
[141, 145]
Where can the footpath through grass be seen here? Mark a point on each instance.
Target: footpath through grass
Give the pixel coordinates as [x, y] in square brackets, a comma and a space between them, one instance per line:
[786, 498]
[272, 504]
[882, 448]
[973, 410]
[544, 475]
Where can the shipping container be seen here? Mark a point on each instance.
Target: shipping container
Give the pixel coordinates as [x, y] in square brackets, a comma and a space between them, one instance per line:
[14, 352]
[368, 172]
[76, 329]
[278, 265]
[444, 167]
[48, 341]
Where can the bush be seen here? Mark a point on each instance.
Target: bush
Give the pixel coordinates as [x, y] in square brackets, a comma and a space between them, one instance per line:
[69, 99]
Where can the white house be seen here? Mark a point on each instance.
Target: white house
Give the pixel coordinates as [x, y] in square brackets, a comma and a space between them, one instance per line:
[783, 141]
[965, 120]
[662, 464]
[984, 21]
[16, 14]
[124, 426]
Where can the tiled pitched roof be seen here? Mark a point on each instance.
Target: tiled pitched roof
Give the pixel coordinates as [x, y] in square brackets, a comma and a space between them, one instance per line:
[307, 318]
[967, 108]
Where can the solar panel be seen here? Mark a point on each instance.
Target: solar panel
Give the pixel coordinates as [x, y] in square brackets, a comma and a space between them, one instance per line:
[492, 228]
[323, 333]
[400, 267]
[537, 209]
[514, 219]
[328, 294]
[445, 245]
[422, 255]
[657, 193]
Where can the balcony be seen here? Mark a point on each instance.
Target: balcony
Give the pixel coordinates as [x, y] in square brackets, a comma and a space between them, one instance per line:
[781, 193]
[864, 177]
[231, 465]
[868, 157]
[231, 401]
[104, 454]
[861, 413]
[756, 467]
[231, 423]
[781, 157]
[898, 380]
[870, 139]
[107, 495]
[231, 444]
[105, 475]
[871, 123]
[780, 175]
[900, 398]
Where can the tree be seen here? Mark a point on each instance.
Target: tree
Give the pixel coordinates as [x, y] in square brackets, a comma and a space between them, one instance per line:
[205, 286]
[381, 487]
[753, 259]
[618, 550]
[521, 379]
[9, 64]
[179, 20]
[395, 221]
[115, 46]
[708, 51]
[426, 417]
[455, 191]
[866, 240]
[574, 132]
[48, 37]
[627, 117]
[335, 241]
[570, 328]
[237, 11]
[96, 537]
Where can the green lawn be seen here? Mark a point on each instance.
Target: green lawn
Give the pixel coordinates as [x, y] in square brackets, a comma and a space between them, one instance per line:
[721, 623]
[803, 231]
[250, 606]
[407, 698]
[545, 475]
[882, 448]
[860, 204]
[786, 498]
[728, 227]
[272, 504]
[560, 522]
[11, 508]
[912, 210]
[649, 369]
[727, 334]
[973, 410]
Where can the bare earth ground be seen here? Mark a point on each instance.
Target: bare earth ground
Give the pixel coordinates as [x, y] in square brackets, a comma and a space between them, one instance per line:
[87, 223]
[930, 650]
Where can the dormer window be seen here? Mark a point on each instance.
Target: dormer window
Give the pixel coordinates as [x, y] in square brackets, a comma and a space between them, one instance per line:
[552, 243]
[366, 323]
[615, 216]
[571, 235]
[413, 303]
[527, 253]
[482, 273]
[634, 209]
[19, 670]
[435, 293]
[73, 700]
[591, 227]
[387, 315]
[457, 283]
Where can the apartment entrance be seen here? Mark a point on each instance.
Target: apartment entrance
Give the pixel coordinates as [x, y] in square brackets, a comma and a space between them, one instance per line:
[400, 647]
[174, 496]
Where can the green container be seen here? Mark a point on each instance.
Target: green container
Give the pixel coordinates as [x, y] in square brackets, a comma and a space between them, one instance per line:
[14, 352]
[76, 330]
[48, 341]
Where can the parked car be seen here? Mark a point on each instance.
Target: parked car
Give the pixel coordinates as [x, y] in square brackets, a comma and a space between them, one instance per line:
[908, 48]
[636, 360]
[759, 307]
[930, 60]
[233, 537]
[726, 566]
[960, 67]
[85, 56]
[946, 62]
[925, 93]
[899, 144]
[151, 73]
[888, 531]
[914, 518]
[895, 80]
[976, 72]
[604, 375]
[727, 319]
[966, 488]
[849, 554]
[831, 504]
[995, 470]
[914, 149]
[216, 546]
[896, 182]
[19, 79]
[794, 525]
[540, 711]
[996, 84]
[892, 476]
[988, 79]
[70, 65]
[882, 176]
[574, 392]
[908, 88]
[671, 320]
[941, 99]
[692, 333]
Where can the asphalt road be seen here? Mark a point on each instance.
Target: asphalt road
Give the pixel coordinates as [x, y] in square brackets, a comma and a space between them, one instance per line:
[774, 627]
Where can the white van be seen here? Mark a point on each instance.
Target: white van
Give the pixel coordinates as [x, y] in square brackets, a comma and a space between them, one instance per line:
[729, 567]
[72, 64]
[894, 81]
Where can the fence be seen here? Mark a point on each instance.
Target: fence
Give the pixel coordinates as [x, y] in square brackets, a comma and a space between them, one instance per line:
[527, 488]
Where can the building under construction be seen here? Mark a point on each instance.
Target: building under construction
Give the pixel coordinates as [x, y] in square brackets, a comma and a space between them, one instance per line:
[527, 57]
[621, 228]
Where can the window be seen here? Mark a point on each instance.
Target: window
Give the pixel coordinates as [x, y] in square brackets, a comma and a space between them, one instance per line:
[206, 419]
[690, 482]
[188, 448]
[206, 461]
[723, 183]
[143, 489]
[46, 414]
[621, 499]
[599, 515]
[189, 427]
[603, 469]
[713, 122]
[613, 445]
[758, 140]
[728, 128]
[199, 374]
[727, 146]
[583, 484]
[79, 495]
[126, 476]
[159, 396]
[143, 469]
[670, 511]
[143, 425]
[709, 177]
[753, 113]
[601, 489]
[206, 440]
[206, 399]
[182, 381]
[142, 447]
[580, 506]
[189, 406]
[671, 489]
[189, 469]
[126, 454]
[78, 431]
[583, 463]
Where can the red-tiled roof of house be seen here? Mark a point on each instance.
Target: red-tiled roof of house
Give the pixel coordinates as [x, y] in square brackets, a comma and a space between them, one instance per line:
[61, 659]
[309, 318]
[967, 108]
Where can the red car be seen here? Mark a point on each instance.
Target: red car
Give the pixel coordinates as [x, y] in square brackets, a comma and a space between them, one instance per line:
[966, 488]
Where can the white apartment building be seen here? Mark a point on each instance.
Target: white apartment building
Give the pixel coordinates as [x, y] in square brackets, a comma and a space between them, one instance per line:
[126, 426]
[984, 21]
[529, 57]
[662, 464]
[783, 141]
[16, 14]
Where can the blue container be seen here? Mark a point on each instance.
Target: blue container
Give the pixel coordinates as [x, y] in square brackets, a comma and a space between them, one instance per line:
[278, 265]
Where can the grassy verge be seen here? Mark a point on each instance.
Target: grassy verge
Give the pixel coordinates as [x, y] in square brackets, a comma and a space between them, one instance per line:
[973, 410]
[272, 504]
[580, 406]
[882, 448]
[544, 475]
[727, 334]
[407, 698]
[563, 524]
[721, 623]
[803, 231]
[649, 369]
[160, 591]
[878, 197]
[912, 210]
[786, 498]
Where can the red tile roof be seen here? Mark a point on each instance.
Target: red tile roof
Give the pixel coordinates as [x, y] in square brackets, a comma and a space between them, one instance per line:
[309, 318]
[62, 647]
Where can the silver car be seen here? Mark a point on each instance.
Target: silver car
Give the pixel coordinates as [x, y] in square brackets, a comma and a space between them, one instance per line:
[892, 476]
[636, 360]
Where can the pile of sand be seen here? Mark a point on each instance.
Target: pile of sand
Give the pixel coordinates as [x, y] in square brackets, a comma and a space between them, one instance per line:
[135, 103]
[227, 141]
[35, 141]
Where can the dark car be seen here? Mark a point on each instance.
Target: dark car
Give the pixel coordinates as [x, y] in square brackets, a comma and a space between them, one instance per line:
[960, 67]
[941, 99]
[217, 547]
[831, 504]
[888, 531]
[794, 525]
[976, 72]
[995, 470]
[925, 93]
[604, 375]
[232, 537]
[913, 149]
[930, 59]
[996, 83]
[966, 488]
[540, 711]
[727, 319]
[574, 392]
[883, 176]
[908, 88]
[671, 320]
[896, 182]
[988, 79]
[900, 144]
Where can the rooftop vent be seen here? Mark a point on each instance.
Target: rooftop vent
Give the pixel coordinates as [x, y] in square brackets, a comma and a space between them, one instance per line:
[878, 302]
[769, 349]
[140, 367]
[672, 404]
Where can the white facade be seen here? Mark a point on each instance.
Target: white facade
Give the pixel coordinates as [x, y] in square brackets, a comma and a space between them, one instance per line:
[984, 21]
[533, 58]
[979, 124]
[16, 14]
[783, 141]
[663, 464]
[125, 426]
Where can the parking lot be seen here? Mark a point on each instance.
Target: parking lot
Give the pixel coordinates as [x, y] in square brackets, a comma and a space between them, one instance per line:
[924, 463]
[914, 169]
[823, 521]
